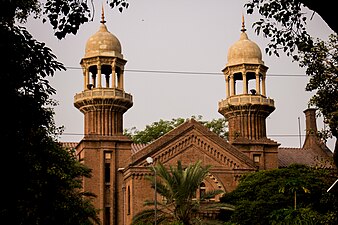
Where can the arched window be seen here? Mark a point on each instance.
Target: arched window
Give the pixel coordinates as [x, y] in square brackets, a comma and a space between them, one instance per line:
[107, 173]
[128, 199]
[202, 190]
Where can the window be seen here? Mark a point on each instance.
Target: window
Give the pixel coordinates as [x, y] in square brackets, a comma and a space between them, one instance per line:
[256, 158]
[128, 199]
[202, 190]
[81, 156]
[107, 216]
[107, 155]
[107, 172]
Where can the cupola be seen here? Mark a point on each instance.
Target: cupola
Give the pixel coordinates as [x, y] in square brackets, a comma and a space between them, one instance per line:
[244, 51]
[103, 100]
[103, 43]
[246, 105]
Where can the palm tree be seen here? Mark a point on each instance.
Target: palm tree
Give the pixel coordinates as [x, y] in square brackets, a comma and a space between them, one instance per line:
[177, 186]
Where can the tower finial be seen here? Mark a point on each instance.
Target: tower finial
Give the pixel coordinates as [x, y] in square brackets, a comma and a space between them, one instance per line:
[102, 15]
[243, 24]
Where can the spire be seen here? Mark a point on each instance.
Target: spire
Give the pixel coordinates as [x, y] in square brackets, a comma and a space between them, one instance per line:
[243, 24]
[243, 36]
[102, 16]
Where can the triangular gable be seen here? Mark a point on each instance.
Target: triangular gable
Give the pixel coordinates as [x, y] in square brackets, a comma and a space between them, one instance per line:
[193, 136]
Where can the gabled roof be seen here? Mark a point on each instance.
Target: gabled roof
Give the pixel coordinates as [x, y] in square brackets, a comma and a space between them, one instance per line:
[70, 145]
[192, 134]
[313, 153]
[137, 147]
[305, 156]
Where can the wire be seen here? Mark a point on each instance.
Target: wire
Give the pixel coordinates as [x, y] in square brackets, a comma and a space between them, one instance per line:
[190, 72]
[270, 135]
[193, 73]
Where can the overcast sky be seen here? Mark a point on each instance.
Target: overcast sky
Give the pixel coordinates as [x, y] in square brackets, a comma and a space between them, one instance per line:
[179, 36]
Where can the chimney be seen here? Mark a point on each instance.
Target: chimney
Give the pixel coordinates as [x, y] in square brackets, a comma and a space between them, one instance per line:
[311, 138]
[310, 117]
[313, 142]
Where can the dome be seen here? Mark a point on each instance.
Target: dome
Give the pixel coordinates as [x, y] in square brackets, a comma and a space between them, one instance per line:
[244, 51]
[103, 43]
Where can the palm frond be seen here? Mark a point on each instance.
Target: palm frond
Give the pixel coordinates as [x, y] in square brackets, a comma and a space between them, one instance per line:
[211, 194]
[147, 216]
[143, 216]
[178, 186]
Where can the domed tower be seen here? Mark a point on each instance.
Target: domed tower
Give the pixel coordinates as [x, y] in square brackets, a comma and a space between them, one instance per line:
[246, 105]
[103, 101]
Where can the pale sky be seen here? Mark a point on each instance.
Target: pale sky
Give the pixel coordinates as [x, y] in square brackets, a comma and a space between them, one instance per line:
[180, 36]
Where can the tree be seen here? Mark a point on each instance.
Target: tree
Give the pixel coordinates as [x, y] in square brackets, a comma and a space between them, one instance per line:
[153, 131]
[323, 8]
[41, 179]
[321, 63]
[267, 197]
[284, 24]
[178, 186]
[158, 129]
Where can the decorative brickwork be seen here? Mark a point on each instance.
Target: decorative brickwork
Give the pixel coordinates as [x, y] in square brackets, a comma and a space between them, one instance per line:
[119, 167]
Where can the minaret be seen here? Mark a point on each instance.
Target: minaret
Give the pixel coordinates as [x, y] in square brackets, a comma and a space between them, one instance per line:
[246, 105]
[103, 102]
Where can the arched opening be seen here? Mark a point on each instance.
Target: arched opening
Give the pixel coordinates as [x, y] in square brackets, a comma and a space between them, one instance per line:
[251, 79]
[202, 190]
[238, 83]
[128, 200]
[106, 70]
[91, 80]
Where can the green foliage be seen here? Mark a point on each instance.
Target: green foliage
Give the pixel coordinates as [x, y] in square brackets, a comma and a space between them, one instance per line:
[18, 10]
[120, 4]
[218, 126]
[284, 24]
[153, 131]
[321, 64]
[267, 196]
[305, 216]
[66, 16]
[42, 180]
[158, 129]
[178, 186]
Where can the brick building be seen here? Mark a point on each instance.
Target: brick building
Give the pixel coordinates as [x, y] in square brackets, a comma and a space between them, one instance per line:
[119, 166]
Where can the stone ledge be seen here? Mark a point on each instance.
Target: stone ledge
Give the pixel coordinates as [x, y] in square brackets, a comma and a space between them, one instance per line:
[246, 99]
[102, 93]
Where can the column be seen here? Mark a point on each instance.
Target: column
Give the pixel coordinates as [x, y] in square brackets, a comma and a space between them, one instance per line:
[120, 79]
[263, 85]
[232, 85]
[227, 87]
[87, 78]
[113, 74]
[258, 86]
[84, 71]
[245, 82]
[99, 75]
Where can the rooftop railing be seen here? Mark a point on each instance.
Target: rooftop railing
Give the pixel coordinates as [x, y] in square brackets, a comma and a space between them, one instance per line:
[246, 99]
[102, 93]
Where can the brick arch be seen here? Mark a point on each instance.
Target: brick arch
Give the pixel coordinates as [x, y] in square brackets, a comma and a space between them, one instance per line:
[211, 182]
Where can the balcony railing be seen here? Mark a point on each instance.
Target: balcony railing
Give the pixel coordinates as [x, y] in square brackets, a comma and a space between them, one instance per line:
[102, 93]
[246, 99]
